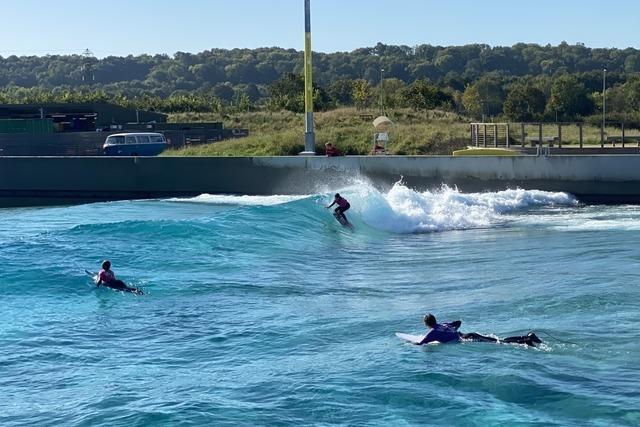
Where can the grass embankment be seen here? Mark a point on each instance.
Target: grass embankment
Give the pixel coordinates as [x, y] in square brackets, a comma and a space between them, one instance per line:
[351, 130]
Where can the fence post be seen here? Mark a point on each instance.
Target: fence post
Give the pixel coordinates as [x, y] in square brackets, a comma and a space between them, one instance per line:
[559, 135]
[472, 138]
[580, 132]
[622, 126]
[602, 136]
[495, 136]
[540, 134]
[524, 135]
[484, 139]
[508, 143]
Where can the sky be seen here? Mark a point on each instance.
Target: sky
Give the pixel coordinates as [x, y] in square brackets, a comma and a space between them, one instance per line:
[123, 27]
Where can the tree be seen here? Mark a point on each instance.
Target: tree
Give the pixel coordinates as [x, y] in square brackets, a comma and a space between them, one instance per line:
[420, 95]
[490, 89]
[569, 98]
[224, 91]
[287, 93]
[524, 103]
[393, 92]
[472, 102]
[362, 93]
[632, 64]
[341, 91]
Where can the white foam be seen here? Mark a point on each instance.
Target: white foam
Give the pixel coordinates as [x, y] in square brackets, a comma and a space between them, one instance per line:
[403, 210]
[220, 199]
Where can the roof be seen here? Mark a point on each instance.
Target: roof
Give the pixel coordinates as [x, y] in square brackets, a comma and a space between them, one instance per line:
[382, 122]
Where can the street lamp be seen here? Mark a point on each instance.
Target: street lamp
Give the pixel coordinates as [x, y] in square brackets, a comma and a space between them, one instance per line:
[604, 103]
[381, 92]
[309, 135]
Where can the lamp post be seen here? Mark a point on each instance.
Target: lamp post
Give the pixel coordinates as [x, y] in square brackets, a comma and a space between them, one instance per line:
[604, 104]
[381, 91]
[309, 135]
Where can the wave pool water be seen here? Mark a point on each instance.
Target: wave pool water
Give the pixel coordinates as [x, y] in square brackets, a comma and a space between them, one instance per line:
[265, 311]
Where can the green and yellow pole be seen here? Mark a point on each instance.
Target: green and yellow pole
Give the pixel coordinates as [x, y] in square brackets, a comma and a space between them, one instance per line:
[309, 135]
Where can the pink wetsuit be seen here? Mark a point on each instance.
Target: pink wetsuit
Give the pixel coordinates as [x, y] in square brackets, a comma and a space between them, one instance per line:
[342, 202]
[106, 276]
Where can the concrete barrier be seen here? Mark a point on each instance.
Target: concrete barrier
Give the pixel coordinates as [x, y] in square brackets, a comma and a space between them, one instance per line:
[59, 180]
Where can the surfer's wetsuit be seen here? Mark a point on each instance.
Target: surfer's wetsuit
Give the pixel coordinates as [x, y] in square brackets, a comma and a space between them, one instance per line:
[530, 339]
[343, 206]
[448, 332]
[108, 279]
[445, 332]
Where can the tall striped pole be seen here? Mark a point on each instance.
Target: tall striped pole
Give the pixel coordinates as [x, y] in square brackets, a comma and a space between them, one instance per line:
[309, 135]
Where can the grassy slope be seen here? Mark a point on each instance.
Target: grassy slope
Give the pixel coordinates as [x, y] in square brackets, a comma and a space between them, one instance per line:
[282, 133]
[351, 130]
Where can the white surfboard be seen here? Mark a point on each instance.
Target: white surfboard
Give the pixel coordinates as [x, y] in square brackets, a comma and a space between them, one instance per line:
[414, 339]
[94, 276]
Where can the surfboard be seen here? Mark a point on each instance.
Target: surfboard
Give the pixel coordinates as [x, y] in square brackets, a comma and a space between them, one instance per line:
[341, 220]
[92, 275]
[414, 339]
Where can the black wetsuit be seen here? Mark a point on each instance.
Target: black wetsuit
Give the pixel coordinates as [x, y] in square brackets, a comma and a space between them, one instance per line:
[530, 339]
[119, 285]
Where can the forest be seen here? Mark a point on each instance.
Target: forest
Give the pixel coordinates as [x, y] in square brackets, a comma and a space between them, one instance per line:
[524, 82]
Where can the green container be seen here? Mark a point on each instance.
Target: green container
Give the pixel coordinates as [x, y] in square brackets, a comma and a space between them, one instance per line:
[30, 126]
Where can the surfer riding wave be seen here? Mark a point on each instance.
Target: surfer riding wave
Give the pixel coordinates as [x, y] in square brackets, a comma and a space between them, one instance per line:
[343, 206]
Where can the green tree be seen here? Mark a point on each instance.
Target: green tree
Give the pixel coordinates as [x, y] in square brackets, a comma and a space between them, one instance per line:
[421, 95]
[569, 98]
[524, 103]
[287, 93]
[341, 91]
[490, 89]
[362, 94]
[472, 102]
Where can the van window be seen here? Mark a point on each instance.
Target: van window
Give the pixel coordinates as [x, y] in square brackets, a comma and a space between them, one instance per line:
[131, 140]
[143, 139]
[115, 140]
[157, 139]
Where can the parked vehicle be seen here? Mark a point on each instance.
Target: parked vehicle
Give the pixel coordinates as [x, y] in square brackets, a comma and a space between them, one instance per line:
[134, 144]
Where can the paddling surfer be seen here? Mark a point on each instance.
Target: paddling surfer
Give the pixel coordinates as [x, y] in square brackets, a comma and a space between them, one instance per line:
[107, 278]
[448, 332]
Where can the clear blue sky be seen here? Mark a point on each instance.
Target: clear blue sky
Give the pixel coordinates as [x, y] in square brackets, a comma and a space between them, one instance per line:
[121, 27]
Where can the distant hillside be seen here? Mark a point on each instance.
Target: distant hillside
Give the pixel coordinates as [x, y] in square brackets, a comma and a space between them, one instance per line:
[216, 78]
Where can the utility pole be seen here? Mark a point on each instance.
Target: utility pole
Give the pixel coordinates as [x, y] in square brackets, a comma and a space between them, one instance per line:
[381, 92]
[309, 135]
[604, 103]
[87, 66]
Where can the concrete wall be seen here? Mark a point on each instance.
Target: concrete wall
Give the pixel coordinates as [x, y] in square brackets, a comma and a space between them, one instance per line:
[52, 180]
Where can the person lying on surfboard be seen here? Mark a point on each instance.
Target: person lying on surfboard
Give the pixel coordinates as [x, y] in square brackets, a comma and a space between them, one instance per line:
[448, 332]
[107, 278]
[343, 206]
[445, 332]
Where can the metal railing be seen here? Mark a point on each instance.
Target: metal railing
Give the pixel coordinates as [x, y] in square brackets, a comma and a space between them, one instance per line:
[538, 134]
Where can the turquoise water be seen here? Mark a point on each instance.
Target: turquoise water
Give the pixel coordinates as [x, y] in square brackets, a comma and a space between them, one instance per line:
[264, 311]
